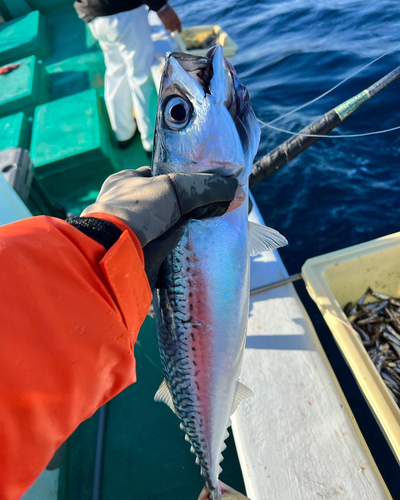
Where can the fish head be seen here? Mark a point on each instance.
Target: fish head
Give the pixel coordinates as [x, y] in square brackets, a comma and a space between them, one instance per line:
[205, 122]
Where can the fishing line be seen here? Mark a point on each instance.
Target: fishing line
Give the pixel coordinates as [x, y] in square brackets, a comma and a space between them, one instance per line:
[338, 136]
[331, 90]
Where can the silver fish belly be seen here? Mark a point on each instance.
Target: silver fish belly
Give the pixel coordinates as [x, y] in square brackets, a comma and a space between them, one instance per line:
[202, 319]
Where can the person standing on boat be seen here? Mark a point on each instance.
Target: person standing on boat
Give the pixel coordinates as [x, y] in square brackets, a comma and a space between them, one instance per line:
[75, 294]
[123, 31]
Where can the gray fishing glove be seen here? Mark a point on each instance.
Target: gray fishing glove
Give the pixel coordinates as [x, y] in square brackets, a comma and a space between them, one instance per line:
[158, 208]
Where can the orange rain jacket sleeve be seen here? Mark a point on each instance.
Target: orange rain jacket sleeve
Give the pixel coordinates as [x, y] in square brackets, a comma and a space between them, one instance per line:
[69, 316]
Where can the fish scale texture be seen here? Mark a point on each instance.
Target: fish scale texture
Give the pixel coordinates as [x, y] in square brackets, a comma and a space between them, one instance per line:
[176, 332]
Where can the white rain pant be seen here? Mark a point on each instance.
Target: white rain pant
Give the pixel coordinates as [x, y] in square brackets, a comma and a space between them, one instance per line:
[125, 40]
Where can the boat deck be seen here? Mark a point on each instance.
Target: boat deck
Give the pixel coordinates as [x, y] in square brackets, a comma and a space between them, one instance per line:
[297, 438]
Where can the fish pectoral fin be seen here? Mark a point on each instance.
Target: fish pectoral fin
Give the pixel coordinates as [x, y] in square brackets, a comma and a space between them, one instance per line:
[164, 395]
[263, 238]
[160, 168]
[242, 393]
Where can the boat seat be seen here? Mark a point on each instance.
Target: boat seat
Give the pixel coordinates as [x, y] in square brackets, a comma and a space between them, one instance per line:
[23, 88]
[24, 36]
[71, 147]
[14, 131]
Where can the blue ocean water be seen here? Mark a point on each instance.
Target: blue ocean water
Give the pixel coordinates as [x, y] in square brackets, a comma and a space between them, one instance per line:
[340, 192]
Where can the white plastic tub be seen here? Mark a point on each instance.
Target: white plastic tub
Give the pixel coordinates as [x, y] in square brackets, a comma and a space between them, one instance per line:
[339, 277]
[197, 40]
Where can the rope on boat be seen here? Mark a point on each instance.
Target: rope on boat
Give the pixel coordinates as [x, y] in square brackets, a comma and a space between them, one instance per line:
[291, 148]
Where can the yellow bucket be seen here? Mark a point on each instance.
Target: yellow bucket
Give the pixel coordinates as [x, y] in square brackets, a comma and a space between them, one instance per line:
[339, 277]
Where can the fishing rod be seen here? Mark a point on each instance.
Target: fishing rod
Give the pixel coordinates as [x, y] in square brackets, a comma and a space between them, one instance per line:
[291, 148]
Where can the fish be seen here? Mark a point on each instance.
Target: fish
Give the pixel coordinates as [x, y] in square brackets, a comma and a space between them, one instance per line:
[377, 325]
[205, 123]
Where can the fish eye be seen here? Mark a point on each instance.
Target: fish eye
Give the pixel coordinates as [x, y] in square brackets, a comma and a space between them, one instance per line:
[177, 113]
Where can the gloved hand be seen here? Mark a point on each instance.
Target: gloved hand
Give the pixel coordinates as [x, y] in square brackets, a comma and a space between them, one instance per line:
[169, 18]
[158, 208]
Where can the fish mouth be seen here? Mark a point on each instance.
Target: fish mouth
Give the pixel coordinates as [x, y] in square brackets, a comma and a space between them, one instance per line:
[224, 169]
[238, 176]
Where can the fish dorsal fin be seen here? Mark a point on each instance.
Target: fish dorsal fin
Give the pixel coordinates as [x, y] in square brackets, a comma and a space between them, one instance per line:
[186, 81]
[242, 393]
[164, 395]
[263, 238]
[218, 80]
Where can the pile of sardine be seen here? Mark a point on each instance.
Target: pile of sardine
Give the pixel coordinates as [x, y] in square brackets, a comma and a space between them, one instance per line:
[208, 42]
[378, 325]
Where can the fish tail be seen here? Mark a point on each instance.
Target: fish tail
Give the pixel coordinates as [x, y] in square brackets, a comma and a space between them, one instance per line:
[227, 493]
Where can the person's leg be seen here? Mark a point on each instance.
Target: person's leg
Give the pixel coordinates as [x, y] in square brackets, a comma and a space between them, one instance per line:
[138, 53]
[117, 91]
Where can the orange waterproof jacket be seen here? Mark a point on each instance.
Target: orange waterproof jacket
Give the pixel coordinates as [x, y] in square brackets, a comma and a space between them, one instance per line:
[70, 313]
